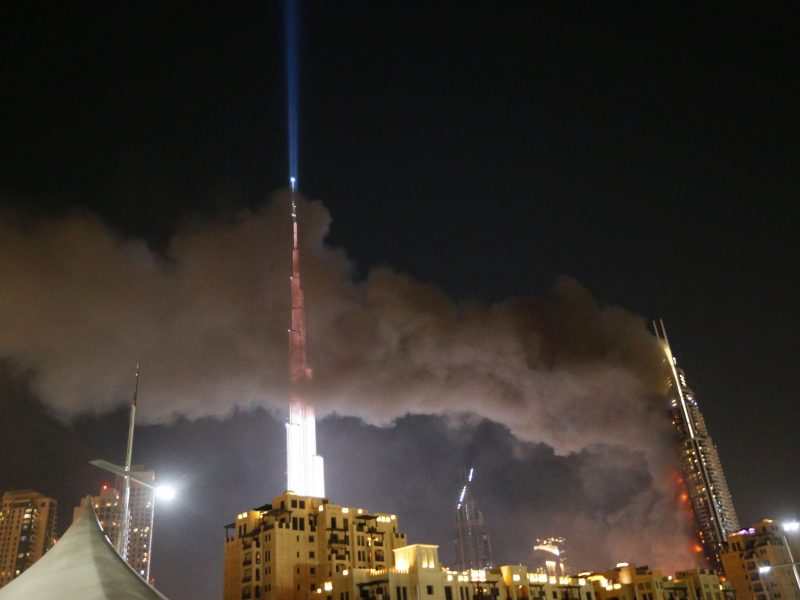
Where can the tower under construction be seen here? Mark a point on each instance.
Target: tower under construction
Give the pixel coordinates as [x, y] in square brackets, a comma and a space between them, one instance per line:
[706, 487]
[472, 544]
[304, 468]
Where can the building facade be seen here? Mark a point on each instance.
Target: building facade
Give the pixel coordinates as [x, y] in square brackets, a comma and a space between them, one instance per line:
[289, 548]
[550, 556]
[761, 562]
[107, 506]
[27, 530]
[141, 508]
[703, 477]
[630, 582]
[306, 548]
[473, 548]
[418, 575]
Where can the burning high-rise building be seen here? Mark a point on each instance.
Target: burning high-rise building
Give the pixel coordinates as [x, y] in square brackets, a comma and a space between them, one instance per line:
[304, 468]
[706, 487]
[472, 544]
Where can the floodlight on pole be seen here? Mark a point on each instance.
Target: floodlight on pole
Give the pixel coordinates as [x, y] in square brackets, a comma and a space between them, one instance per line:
[122, 538]
[791, 527]
[166, 492]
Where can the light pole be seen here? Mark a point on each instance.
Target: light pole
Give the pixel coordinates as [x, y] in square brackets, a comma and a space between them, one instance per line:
[122, 538]
[788, 527]
[165, 492]
[791, 527]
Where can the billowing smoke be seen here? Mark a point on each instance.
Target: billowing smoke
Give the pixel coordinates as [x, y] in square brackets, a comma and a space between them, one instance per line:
[207, 316]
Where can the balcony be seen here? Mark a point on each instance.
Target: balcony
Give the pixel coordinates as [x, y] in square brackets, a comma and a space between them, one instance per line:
[337, 541]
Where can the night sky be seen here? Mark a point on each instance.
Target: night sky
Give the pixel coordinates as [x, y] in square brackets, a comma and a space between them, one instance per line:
[490, 157]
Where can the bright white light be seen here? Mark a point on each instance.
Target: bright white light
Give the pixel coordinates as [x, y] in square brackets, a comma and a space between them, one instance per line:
[166, 492]
[791, 526]
[763, 570]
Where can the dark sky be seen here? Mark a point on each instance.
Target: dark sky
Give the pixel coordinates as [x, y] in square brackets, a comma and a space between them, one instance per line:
[648, 151]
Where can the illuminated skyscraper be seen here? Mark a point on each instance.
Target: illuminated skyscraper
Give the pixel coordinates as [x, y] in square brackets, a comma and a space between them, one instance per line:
[472, 544]
[715, 517]
[304, 468]
[27, 531]
[108, 507]
[550, 557]
[141, 509]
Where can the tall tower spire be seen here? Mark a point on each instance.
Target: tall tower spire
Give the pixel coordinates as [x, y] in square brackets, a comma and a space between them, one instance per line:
[472, 545]
[708, 492]
[304, 469]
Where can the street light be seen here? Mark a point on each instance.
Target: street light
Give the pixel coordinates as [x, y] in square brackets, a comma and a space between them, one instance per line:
[163, 491]
[166, 492]
[791, 527]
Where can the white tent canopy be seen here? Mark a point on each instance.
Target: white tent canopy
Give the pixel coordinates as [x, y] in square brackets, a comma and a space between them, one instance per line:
[83, 565]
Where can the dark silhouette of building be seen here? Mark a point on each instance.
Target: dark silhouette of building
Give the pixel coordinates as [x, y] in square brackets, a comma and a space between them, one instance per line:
[472, 544]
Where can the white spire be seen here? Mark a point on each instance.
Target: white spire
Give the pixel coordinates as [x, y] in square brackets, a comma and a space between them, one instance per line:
[304, 468]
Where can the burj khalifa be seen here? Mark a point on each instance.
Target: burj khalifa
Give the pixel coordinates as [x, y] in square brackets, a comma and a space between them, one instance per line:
[304, 467]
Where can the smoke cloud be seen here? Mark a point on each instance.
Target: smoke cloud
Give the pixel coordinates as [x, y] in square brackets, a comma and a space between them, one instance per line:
[80, 304]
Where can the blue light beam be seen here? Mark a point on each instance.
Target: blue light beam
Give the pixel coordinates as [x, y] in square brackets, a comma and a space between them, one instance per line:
[292, 86]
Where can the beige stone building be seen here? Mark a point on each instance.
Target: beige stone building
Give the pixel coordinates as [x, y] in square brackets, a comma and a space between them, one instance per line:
[761, 562]
[419, 576]
[289, 548]
[27, 530]
[306, 548]
[629, 582]
[300, 547]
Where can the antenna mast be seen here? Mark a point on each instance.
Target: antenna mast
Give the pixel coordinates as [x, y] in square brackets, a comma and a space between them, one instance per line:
[122, 538]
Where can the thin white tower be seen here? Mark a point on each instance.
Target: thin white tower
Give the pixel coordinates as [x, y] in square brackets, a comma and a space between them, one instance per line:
[122, 538]
[304, 468]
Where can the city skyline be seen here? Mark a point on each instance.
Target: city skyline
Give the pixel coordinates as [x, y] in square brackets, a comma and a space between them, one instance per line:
[509, 198]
